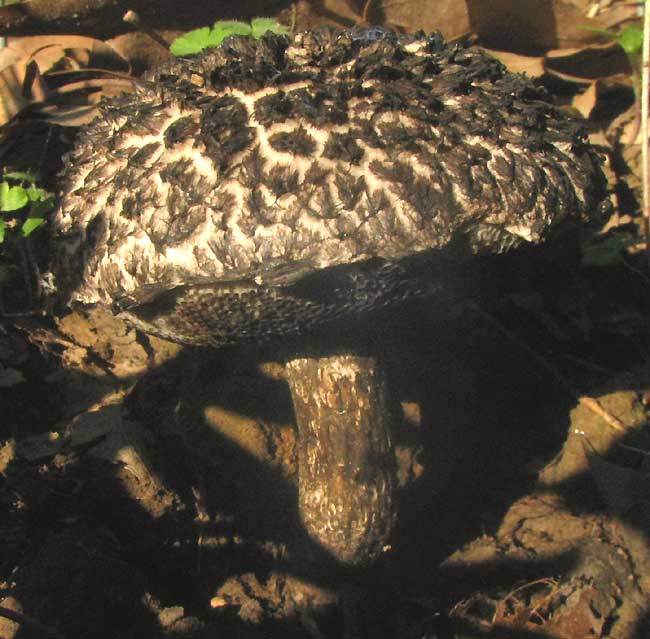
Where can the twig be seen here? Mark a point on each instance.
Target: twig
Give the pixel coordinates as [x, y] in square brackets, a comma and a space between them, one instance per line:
[589, 402]
[595, 407]
[33, 313]
[645, 157]
[634, 449]
[294, 18]
[132, 18]
[366, 10]
[29, 622]
[3, 40]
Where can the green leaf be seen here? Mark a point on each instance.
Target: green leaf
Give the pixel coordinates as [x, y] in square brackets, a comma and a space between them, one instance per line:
[3, 225]
[224, 28]
[631, 39]
[21, 176]
[35, 194]
[195, 41]
[12, 198]
[611, 35]
[260, 26]
[191, 42]
[31, 224]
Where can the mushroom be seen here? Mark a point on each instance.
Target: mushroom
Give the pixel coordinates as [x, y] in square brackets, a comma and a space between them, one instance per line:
[266, 189]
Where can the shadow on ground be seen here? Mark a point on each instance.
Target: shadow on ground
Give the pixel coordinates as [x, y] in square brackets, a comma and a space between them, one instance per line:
[214, 545]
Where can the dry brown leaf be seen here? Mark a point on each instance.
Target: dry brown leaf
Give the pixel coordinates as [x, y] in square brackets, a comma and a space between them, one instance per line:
[140, 51]
[530, 26]
[614, 13]
[12, 100]
[606, 100]
[597, 61]
[586, 101]
[573, 461]
[47, 10]
[582, 5]
[8, 57]
[523, 26]
[533, 67]
[20, 84]
[45, 68]
[450, 17]
[76, 103]
[578, 616]
[622, 488]
[559, 611]
[78, 56]
[57, 52]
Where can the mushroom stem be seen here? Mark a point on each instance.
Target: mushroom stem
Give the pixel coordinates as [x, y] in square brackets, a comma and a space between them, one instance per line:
[345, 455]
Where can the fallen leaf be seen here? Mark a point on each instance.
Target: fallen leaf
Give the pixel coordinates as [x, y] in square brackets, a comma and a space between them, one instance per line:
[44, 76]
[12, 100]
[140, 50]
[587, 63]
[532, 66]
[450, 17]
[585, 425]
[622, 488]
[55, 53]
[530, 26]
[586, 101]
[578, 616]
[75, 104]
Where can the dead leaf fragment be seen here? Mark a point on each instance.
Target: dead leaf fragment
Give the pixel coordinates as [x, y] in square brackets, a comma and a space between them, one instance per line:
[60, 77]
[450, 17]
[563, 611]
[587, 63]
[586, 101]
[623, 489]
[586, 426]
[532, 66]
[530, 26]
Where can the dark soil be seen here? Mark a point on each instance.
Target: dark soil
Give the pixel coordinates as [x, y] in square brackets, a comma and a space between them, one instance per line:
[150, 491]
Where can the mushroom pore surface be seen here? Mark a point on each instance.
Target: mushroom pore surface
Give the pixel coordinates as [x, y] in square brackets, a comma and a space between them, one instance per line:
[265, 188]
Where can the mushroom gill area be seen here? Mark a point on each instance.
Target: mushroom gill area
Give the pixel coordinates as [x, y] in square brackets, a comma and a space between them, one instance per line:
[266, 189]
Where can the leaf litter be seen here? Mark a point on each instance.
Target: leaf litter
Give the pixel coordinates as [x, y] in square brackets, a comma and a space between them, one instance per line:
[557, 547]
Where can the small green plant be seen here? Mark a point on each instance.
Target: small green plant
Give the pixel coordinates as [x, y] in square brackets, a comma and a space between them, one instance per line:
[630, 38]
[20, 197]
[195, 41]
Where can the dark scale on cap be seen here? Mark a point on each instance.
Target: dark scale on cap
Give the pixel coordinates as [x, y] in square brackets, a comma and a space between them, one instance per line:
[225, 129]
[267, 186]
[143, 156]
[282, 180]
[350, 189]
[298, 142]
[276, 107]
[343, 147]
[180, 130]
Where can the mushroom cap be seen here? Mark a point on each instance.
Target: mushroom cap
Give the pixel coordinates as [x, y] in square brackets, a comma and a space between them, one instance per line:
[268, 186]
